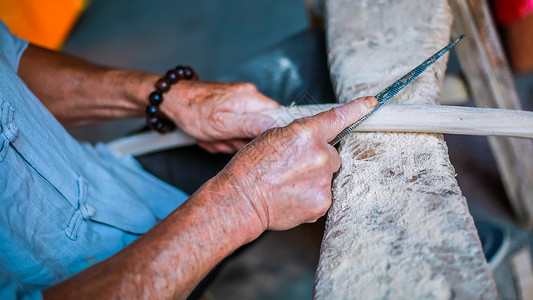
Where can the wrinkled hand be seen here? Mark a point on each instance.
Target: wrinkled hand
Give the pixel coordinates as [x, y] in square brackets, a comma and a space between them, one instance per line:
[285, 174]
[222, 116]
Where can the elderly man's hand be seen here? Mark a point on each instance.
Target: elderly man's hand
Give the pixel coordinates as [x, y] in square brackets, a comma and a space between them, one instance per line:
[284, 176]
[222, 116]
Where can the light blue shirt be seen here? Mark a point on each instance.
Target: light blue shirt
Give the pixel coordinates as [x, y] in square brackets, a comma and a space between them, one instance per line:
[64, 206]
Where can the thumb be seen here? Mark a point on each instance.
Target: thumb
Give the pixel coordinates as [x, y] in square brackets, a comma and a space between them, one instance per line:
[252, 125]
[330, 123]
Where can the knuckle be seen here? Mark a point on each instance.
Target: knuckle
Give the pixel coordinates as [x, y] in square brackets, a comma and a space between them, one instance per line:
[338, 117]
[341, 117]
[249, 87]
[322, 205]
[299, 130]
[320, 159]
[217, 124]
[325, 183]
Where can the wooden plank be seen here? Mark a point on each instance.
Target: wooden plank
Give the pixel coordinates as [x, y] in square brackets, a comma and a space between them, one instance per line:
[491, 83]
[398, 227]
[523, 273]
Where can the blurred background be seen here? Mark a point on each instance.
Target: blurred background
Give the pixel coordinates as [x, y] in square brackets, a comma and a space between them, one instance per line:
[235, 40]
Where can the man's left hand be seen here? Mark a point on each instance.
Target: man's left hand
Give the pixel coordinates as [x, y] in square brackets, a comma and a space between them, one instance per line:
[222, 116]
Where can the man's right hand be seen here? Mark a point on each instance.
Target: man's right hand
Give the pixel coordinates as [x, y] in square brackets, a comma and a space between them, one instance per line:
[281, 179]
[284, 176]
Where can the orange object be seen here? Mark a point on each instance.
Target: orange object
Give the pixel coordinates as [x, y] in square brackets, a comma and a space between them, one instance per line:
[519, 42]
[46, 23]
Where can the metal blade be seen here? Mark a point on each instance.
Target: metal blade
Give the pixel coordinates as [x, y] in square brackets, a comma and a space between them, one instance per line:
[393, 89]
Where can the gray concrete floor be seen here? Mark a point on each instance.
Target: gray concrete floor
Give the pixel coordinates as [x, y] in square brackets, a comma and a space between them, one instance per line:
[217, 36]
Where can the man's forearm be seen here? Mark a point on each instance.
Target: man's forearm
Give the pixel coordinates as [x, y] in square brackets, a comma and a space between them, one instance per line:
[169, 260]
[276, 182]
[78, 92]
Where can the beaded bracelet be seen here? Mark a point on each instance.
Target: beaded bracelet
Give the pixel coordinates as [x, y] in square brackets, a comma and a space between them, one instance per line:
[154, 117]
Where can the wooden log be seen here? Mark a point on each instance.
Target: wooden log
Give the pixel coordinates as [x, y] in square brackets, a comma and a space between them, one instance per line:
[491, 83]
[398, 227]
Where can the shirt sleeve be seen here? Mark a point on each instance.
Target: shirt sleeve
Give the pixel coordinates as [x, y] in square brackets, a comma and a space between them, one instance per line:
[12, 46]
[10, 288]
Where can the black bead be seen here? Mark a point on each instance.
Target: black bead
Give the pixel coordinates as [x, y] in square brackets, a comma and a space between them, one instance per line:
[172, 76]
[157, 126]
[155, 123]
[153, 120]
[155, 98]
[180, 70]
[189, 73]
[152, 111]
[166, 126]
[160, 124]
[162, 85]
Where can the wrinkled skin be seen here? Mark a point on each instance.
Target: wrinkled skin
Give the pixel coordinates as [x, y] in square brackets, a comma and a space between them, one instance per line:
[222, 116]
[279, 180]
[285, 174]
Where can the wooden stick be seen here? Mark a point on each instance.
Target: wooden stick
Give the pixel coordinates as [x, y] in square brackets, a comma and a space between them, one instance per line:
[391, 118]
[430, 119]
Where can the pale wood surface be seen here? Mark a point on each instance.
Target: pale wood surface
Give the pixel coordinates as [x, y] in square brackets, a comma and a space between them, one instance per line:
[398, 227]
[391, 118]
[429, 119]
[491, 84]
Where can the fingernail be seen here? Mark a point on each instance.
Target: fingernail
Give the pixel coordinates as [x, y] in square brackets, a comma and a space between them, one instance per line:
[371, 102]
